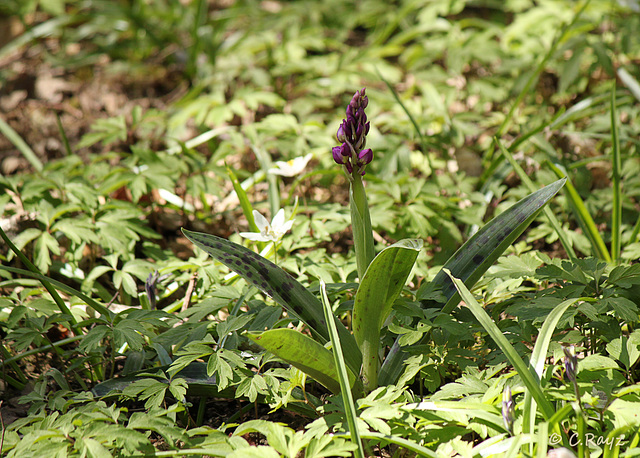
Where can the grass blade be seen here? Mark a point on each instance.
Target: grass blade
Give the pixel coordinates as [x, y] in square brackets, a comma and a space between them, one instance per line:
[345, 391]
[549, 214]
[22, 146]
[423, 141]
[528, 376]
[582, 215]
[101, 309]
[616, 215]
[629, 81]
[539, 355]
[418, 449]
[46, 282]
[247, 209]
[532, 79]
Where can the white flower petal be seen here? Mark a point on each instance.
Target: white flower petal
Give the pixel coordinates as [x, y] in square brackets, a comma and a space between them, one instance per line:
[286, 227]
[278, 220]
[261, 221]
[290, 168]
[255, 236]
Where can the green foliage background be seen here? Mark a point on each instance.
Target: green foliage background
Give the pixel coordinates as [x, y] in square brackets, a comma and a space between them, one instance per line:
[245, 84]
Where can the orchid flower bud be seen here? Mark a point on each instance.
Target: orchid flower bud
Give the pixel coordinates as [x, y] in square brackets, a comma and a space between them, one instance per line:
[570, 363]
[352, 134]
[508, 409]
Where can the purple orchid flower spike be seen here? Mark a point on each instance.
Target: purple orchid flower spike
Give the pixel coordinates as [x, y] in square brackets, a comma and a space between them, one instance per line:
[352, 134]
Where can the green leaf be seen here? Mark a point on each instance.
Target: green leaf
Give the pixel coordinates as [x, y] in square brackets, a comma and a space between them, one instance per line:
[616, 181]
[583, 217]
[350, 411]
[93, 448]
[625, 349]
[471, 261]
[562, 236]
[597, 363]
[479, 252]
[125, 280]
[381, 285]
[279, 285]
[129, 331]
[303, 353]
[247, 209]
[19, 143]
[528, 375]
[539, 355]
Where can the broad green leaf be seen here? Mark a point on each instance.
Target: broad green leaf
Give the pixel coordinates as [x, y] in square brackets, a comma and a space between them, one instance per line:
[303, 353]
[471, 261]
[479, 252]
[279, 285]
[381, 285]
[597, 363]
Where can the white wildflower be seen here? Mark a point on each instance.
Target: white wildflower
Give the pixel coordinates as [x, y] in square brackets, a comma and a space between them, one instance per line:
[291, 168]
[268, 232]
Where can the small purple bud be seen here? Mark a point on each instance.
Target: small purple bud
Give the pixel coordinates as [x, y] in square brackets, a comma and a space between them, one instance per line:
[346, 129]
[508, 409]
[352, 134]
[365, 156]
[150, 288]
[570, 363]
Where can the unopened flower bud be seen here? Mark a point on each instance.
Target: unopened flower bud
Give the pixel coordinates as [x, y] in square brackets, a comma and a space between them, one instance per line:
[570, 363]
[508, 409]
[352, 134]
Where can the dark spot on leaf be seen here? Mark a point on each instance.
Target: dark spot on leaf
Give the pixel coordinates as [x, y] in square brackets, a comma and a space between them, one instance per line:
[477, 259]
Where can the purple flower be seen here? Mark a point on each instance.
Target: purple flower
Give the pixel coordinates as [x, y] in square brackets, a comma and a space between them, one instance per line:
[352, 134]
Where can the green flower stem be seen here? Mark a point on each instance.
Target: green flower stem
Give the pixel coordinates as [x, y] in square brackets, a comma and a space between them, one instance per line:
[361, 225]
[370, 363]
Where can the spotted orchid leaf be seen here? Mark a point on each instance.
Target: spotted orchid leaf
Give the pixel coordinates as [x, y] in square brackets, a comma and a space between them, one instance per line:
[302, 352]
[473, 259]
[277, 284]
[382, 283]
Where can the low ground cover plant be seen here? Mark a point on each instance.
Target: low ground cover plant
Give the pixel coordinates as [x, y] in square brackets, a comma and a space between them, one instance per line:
[225, 268]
